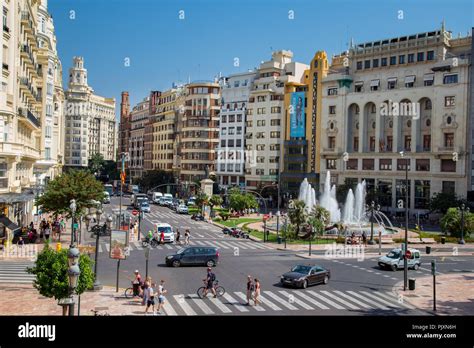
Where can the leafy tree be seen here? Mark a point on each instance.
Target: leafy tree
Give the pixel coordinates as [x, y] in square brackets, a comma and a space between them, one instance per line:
[297, 214]
[96, 163]
[321, 214]
[51, 271]
[288, 231]
[239, 201]
[441, 202]
[76, 184]
[215, 200]
[224, 215]
[154, 178]
[111, 170]
[201, 200]
[451, 223]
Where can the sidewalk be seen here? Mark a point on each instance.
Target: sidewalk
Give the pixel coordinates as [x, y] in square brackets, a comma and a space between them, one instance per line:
[454, 294]
[13, 302]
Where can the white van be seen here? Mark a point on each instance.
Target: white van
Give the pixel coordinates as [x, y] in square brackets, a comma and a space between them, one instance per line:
[168, 195]
[156, 197]
[167, 230]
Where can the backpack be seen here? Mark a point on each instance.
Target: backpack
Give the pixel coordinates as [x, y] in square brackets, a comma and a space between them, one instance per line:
[213, 277]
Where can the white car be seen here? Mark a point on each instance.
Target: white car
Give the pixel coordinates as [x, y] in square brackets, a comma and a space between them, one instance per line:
[167, 230]
[182, 209]
[145, 207]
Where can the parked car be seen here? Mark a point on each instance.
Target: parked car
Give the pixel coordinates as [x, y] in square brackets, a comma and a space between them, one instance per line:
[302, 276]
[191, 201]
[205, 256]
[394, 259]
[182, 209]
[167, 230]
[145, 206]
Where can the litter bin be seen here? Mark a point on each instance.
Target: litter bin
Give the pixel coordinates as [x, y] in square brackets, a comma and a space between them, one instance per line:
[411, 284]
[443, 240]
[428, 250]
[279, 240]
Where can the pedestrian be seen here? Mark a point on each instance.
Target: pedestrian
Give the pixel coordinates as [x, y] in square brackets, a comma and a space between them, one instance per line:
[20, 242]
[250, 289]
[178, 236]
[150, 297]
[256, 293]
[364, 238]
[186, 237]
[47, 231]
[161, 295]
[162, 237]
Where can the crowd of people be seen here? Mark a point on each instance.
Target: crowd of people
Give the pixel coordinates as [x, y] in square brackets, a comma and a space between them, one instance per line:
[149, 292]
[46, 229]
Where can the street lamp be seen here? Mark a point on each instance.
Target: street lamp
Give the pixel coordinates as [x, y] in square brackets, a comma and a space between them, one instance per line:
[278, 225]
[373, 209]
[405, 261]
[73, 208]
[463, 209]
[73, 273]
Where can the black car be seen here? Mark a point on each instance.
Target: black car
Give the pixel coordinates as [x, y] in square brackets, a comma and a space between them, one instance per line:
[303, 275]
[206, 256]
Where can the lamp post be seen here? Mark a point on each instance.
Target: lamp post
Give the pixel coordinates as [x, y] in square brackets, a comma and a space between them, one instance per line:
[373, 209]
[463, 209]
[278, 226]
[73, 274]
[286, 228]
[405, 261]
[73, 208]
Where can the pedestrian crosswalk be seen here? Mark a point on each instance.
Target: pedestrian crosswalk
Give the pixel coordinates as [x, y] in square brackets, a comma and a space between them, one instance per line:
[318, 301]
[229, 246]
[15, 272]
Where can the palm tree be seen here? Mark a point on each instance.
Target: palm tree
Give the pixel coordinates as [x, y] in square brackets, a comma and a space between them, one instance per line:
[298, 215]
[202, 200]
[215, 200]
[321, 214]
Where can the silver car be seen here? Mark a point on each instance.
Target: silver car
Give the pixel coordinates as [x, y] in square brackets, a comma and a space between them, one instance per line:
[394, 259]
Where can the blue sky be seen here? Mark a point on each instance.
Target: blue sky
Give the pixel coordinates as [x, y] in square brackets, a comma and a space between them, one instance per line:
[163, 48]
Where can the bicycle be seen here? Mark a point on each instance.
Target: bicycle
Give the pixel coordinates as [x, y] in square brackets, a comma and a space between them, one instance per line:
[130, 293]
[99, 309]
[220, 291]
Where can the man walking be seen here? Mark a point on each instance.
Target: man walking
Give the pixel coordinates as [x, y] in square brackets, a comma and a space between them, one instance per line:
[250, 288]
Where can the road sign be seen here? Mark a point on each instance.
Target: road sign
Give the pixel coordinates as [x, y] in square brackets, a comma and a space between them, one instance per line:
[433, 267]
[135, 212]
[266, 217]
[408, 254]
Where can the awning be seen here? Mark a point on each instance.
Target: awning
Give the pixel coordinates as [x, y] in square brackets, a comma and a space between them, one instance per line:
[359, 83]
[428, 77]
[410, 79]
[8, 223]
[374, 83]
[392, 79]
[9, 198]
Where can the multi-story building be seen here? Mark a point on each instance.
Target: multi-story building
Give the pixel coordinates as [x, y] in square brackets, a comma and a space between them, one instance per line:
[410, 94]
[138, 119]
[265, 115]
[231, 149]
[30, 108]
[149, 131]
[90, 120]
[301, 151]
[199, 134]
[124, 129]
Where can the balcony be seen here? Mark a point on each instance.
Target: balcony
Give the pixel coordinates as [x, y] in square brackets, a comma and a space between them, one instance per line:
[6, 29]
[5, 66]
[3, 183]
[13, 150]
[28, 115]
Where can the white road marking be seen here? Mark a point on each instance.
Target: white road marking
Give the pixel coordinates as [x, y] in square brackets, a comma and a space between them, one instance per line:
[379, 299]
[311, 300]
[220, 305]
[328, 301]
[368, 300]
[235, 303]
[244, 297]
[200, 303]
[182, 303]
[269, 303]
[281, 301]
[344, 302]
[364, 305]
[297, 301]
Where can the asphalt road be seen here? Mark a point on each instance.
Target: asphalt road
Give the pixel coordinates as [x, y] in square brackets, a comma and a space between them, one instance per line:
[356, 287]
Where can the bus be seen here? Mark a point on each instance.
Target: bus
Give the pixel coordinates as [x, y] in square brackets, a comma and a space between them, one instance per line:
[109, 188]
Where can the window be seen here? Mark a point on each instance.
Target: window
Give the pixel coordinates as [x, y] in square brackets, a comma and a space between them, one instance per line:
[410, 81]
[389, 143]
[222, 143]
[332, 142]
[384, 62]
[427, 142]
[275, 122]
[259, 172]
[375, 63]
[261, 123]
[449, 101]
[359, 65]
[411, 58]
[239, 130]
[422, 194]
[249, 111]
[374, 85]
[261, 135]
[449, 187]
[393, 60]
[420, 56]
[402, 164]
[407, 143]
[261, 98]
[260, 147]
[430, 55]
[274, 134]
[358, 87]
[332, 91]
[275, 147]
[224, 131]
[385, 164]
[367, 164]
[47, 153]
[236, 84]
[239, 118]
[332, 109]
[260, 111]
[401, 59]
[351, 164]
[331, 164]
[423, 165]
[260, 159]
[391, 83]
[275, 109]
[367, 64]
[356, 144]
[372, 144]
[448, 165]
[452, 78]
[449, 139]
[230, 143]
[223, 119]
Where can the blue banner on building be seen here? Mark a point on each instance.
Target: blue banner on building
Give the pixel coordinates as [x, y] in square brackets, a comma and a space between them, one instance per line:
[297, 115]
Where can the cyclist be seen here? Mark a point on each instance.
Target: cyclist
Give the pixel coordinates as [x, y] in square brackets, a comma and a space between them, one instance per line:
[137, 282]
[149, 235]
[210, 282]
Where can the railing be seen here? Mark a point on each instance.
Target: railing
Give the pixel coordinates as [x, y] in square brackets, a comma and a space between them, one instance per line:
[33, 119]
[6, 29]
[3, 183]
[5, 66]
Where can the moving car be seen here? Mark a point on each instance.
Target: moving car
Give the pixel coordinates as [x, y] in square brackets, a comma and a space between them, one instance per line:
[205, 256]
[145, 207]
[165, 201]
[191, 201]
[182, 209]
[168, 231]
[394, 259]
[106, 198]
[301, 276]
[156, 197]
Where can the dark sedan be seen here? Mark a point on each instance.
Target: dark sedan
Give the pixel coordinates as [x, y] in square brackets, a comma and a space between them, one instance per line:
[301, 276]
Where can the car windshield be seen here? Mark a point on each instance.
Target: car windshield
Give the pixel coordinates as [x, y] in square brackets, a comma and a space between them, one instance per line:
[145, 204]
[165, 230]
[394, 254]
[301, 269]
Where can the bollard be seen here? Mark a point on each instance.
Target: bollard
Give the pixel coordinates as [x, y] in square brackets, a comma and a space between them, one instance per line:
[411, 284]
[428, 250]
[58, 247]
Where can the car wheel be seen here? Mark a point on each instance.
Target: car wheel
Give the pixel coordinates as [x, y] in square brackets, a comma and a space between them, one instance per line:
[326, 280]
[176, 263]
[393, 267]
[305, 284]
[210, 263]
[416, 266]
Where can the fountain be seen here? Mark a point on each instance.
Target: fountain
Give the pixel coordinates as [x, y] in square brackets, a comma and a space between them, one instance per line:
[355, 217]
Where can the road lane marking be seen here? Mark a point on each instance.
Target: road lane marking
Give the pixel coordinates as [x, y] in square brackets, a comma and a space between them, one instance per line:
[344, 302]
[244, 297]
[297, 301]
[227, 243]
[168, 246]
[392, 298]
[379, 299]
[169, 310]
[199, 242]
[311, 300]
[107, 246]
[372, 303]
[328, 301]
[235, 303]
[219, 244]
[269, 303]
[182, 303]
[364, 305]
[220, 305]
[281, 301]
[200, 303]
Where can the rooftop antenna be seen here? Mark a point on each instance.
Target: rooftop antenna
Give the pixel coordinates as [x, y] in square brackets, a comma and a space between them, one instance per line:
[443, 26]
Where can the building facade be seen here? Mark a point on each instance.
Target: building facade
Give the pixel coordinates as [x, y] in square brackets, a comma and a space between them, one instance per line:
[408, 94]
[230, 166]
[90, 121]
[136, 144]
